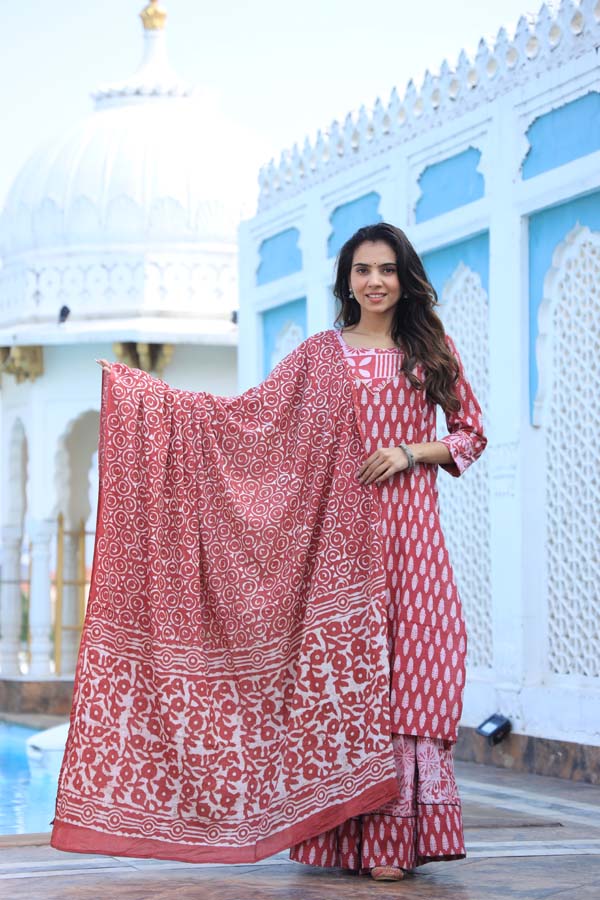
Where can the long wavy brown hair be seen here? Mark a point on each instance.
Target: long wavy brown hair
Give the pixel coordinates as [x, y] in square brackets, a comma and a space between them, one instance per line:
[416, 327]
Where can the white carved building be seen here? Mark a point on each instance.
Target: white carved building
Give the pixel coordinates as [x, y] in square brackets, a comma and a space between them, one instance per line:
[127, 223]
[493, 169]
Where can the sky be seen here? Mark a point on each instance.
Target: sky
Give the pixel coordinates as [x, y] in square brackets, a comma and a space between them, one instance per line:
[281, 70]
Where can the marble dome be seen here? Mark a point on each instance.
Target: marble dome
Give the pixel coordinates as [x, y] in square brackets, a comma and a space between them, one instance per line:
[154, 161]
[130, 214]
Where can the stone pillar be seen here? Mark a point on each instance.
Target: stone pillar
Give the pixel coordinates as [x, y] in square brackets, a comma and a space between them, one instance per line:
[10, 601]
[317, 269]
[39, 599]
[514, 632]
[70, 616]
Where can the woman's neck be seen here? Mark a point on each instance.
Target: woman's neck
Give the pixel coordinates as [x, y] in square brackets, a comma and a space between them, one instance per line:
[372, 329]
[375, 325]
[367, 339]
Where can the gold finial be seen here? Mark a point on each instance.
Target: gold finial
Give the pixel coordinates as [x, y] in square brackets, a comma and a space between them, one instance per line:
[153, 16]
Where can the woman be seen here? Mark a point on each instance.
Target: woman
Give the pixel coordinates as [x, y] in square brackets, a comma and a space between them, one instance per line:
[272, 599]
[404, 365]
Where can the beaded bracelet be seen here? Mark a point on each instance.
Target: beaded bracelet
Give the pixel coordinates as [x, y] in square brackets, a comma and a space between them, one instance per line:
[410, 457]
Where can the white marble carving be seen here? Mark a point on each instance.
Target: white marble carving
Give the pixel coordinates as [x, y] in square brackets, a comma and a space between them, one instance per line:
[569, 400]
[464, 311]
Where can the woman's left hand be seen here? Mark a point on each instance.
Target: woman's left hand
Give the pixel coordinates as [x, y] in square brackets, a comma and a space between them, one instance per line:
[382, 464]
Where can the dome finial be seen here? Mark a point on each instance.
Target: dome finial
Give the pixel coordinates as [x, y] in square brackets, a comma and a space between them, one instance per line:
[153, 16]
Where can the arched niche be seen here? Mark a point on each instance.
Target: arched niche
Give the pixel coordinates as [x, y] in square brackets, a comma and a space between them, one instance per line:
[464, 310]
[75, 456]
[567, 408]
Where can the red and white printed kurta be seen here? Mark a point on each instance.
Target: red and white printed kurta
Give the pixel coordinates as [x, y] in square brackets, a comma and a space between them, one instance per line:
[427, 637]
[426, 632]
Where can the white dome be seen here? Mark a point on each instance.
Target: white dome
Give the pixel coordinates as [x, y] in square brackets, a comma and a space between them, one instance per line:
[131, 215]
[153, 162]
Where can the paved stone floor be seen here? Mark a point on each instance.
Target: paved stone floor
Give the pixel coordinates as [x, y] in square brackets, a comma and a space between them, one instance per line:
[527, 837]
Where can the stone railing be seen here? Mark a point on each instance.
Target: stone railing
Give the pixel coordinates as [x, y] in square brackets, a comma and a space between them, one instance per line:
[557, 34]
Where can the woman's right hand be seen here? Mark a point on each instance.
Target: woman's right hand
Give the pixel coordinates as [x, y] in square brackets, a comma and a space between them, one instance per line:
[104, 363]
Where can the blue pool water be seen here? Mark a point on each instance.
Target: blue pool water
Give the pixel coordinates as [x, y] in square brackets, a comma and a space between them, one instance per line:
[26, 797]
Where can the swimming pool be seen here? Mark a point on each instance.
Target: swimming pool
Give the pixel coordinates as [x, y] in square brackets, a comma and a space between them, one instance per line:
[26, 797]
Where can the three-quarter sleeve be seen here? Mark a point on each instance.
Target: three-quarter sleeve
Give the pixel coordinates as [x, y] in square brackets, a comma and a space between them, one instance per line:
[466, 440]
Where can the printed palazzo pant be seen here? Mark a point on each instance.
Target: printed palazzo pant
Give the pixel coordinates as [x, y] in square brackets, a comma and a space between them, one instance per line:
[423, 824]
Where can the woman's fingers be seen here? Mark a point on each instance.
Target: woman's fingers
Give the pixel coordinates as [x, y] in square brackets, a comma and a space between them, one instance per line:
[391, 470]
[104, 363]
[368, 464]
[381, 465]
[373, 467]
[378, 471]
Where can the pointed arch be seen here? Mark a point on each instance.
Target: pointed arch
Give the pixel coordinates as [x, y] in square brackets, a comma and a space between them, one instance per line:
[563, 258]
[567, 405]
[73, 462]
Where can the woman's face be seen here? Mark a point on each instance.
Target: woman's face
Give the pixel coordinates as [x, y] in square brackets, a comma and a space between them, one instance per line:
[374, 277]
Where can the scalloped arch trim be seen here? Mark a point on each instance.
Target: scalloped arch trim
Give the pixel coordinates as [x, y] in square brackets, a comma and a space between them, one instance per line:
[448, 184]
[563, 134]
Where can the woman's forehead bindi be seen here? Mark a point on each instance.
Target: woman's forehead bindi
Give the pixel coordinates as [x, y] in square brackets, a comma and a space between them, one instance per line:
[374, 253]
[391, 262]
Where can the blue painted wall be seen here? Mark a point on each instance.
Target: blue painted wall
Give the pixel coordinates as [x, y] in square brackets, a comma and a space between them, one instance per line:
[564, 134]
[448, 184]
[547, 229]
[349, 217]
[273, 320]
[280, 255]
[473, 252]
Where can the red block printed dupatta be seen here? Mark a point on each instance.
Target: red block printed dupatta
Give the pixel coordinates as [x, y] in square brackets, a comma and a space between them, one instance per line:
[231, 696]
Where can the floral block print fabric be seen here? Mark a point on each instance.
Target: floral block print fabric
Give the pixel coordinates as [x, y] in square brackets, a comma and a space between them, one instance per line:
[422, 824]
[231, 694]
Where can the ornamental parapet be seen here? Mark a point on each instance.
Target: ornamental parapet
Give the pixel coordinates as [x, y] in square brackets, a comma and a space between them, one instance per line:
[541, 43]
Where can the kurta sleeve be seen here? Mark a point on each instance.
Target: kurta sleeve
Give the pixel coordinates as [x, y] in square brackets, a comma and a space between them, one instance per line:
[466, 440]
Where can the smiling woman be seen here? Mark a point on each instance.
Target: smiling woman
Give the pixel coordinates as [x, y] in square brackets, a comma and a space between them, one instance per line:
[403, 365]
[272, 601]
[382, 309]
[374, 280]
